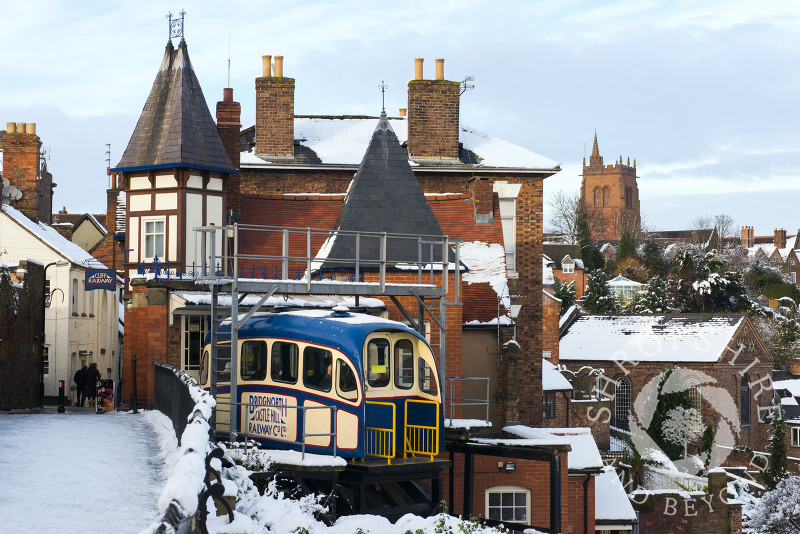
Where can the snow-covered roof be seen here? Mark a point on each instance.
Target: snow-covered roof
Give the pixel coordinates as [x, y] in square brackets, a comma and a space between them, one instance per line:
[584, 453]
[652, 338]
[50, 237]
[552, 380]
[611, 502]
[343, 141]
[486, 263]
[203, 298]
[792, 386]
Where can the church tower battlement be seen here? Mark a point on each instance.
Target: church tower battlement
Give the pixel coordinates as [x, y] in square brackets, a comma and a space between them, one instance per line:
[613, 191]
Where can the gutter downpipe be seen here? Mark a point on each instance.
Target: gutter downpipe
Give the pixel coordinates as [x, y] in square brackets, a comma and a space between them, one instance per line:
[586, 504]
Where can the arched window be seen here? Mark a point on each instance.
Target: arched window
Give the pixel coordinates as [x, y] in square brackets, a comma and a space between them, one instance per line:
[697, 403]
[606, 196]
[598, 197]
[622, 402]
[744, 405]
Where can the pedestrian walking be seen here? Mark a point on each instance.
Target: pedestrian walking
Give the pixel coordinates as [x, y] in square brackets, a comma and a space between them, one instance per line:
[92, 376]
[80, 383]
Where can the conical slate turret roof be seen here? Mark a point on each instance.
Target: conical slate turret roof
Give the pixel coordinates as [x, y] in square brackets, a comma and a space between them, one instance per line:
[176, 128]
[384, 196]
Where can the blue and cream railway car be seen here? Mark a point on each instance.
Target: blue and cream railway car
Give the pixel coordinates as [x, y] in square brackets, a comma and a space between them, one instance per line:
[380, 376]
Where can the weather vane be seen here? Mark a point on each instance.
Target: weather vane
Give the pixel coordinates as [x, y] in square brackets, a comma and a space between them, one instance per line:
[176, 25]
[383, 87]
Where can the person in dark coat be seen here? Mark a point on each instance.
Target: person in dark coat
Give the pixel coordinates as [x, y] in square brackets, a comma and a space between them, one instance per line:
[92, 376]
[80, 383]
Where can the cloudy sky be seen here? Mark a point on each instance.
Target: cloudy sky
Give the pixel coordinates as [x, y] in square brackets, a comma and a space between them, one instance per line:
[705, 95]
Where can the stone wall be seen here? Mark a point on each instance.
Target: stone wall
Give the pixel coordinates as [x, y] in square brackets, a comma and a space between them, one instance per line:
[21, 334]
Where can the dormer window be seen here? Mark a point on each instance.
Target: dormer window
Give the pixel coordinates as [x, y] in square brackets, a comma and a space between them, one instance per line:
[567, 265]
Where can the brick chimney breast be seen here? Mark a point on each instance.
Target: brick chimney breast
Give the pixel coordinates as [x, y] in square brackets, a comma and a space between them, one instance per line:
[274, 113]
[229, 114]
[433, 116]
[779, 238]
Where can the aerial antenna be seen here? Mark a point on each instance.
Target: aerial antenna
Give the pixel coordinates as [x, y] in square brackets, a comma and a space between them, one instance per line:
[465, 85]
[108, 163]
[229, 60]
[176, 25]
[383, 87]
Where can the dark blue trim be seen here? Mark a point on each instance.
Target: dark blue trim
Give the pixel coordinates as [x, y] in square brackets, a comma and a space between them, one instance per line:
[176, 165]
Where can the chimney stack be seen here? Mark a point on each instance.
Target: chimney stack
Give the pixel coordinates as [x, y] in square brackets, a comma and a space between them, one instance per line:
[433, 109]
[229, 126]
[274, 112]
[748, 237]
[779, 238]
[21, 167]
[402, 112]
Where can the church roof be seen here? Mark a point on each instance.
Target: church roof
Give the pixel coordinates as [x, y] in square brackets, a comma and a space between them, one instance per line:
[384, 196]
[175, 128]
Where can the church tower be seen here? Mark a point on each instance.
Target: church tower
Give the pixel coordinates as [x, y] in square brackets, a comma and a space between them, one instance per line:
[611, 191]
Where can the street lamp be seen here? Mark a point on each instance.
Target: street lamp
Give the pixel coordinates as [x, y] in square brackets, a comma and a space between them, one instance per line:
[45, 299]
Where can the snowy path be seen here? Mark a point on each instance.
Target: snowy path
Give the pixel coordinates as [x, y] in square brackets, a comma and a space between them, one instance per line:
[78, 472]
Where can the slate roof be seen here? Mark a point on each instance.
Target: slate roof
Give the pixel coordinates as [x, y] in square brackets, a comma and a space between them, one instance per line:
[454, 212]
[175, 128]
[651, 338]
[557, 252]
[385, 196]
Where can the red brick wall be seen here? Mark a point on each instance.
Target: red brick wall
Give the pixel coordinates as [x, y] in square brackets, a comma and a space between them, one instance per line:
[577, 276]
[21, 168]
[433, 109]
[146, 337]
[528, 474]
[275, 116]
[677, 513]
[551, 310]
[591, 414]
[21, 332]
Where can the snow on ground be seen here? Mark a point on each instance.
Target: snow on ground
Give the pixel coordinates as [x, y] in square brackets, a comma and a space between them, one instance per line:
[78, 472]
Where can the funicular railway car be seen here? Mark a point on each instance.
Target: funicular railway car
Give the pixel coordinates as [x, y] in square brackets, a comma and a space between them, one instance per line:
[307, 376]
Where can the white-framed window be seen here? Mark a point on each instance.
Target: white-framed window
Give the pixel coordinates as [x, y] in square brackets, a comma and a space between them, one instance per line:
[509, 503]
[568, 268]
[796, 436]
[154, 235]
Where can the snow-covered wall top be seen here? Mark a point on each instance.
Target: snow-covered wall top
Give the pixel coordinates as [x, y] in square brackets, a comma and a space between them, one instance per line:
[650, 338]
[552, 380]
[344, 141]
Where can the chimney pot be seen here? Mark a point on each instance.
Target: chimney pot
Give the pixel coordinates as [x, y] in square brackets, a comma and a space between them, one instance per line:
[31, 128]
[266, 62]
[227, 94]
[279, 66]
[403, 114]
[418, 68]
[440, 69]
[11, 127]
[21, 127]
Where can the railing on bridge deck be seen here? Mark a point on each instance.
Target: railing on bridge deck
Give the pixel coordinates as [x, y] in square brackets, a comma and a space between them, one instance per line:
[172, 397]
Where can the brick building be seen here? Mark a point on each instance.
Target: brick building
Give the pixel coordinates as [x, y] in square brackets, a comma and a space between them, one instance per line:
[567, 265]
[724, 364]
[21, 332]
[777, 248]
[612, 191]
[26, 169]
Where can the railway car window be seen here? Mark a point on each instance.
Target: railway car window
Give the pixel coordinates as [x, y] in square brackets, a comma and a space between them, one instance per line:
[284, 362]
[427, 378]
[404, 364]
[204, 368]
[347, 388]
[254, 360]
[317, 368]
[378, 363]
